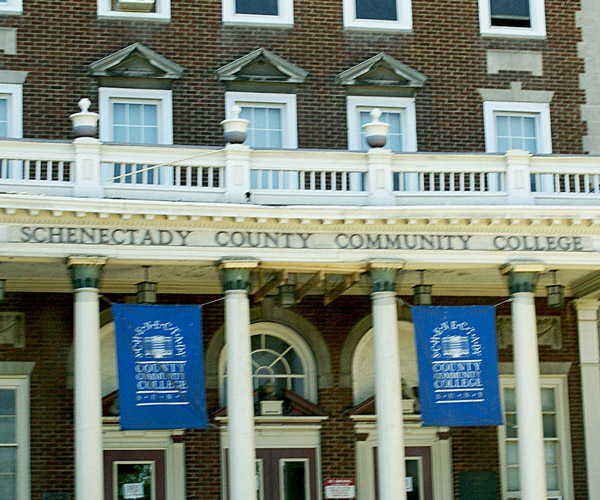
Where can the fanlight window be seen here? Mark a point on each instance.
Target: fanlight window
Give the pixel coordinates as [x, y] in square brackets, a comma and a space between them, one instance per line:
[280, 356]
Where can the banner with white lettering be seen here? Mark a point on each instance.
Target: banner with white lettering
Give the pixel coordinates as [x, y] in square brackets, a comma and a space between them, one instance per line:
[161, 367]
[458, 365]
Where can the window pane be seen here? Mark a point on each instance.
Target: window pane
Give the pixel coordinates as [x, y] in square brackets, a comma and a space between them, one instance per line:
[509, 399]
[503, 145]
[552, 480]
[120, 114]
[150, 114]
[529, 126]
[512, 479]
[8, 426]
[8, 487]
[548, 403]
[276, 344]
[512, 453]
[274, 118]
[260, 118]
[8, 460]
[135, 135]
[258, 7]
[376, 9]
[258, 475]
[274, 139]
[516, 132]
[134, 480]
[294, 480]
[510, 13]
[551, 452]
[135, 114]
[549, 425]
[502, 125]
[7, 402]
[3, 118]
[412, 471]
[120, 134]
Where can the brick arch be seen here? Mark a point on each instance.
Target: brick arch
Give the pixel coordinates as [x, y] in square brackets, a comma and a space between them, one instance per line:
[268, 312]
[354, 337]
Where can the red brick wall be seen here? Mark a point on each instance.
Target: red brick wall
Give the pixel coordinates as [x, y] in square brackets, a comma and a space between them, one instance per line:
[49, 338]
[57, 40]
[49, 335]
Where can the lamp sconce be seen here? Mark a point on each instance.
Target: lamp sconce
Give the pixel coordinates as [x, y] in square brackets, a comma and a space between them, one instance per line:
[287, 295]
[422, 293]
[146, 290]
[554, 293]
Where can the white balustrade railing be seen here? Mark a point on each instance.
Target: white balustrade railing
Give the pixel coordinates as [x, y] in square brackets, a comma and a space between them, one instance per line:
[239, 174]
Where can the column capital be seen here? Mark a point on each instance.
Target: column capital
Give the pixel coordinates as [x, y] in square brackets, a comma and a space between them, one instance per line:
[85, 271]
[383, 274]
[587, 309]
[523, 275]
[236, 273]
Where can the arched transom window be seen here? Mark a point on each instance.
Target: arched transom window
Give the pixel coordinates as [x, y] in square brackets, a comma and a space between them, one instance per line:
[280, 356]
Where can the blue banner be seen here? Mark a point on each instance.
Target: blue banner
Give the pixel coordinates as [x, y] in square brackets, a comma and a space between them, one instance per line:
[458, 365]
[161, 366]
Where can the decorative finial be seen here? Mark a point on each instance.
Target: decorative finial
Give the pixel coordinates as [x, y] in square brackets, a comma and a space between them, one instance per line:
[84, 104]
[376, 130]
[85, 123]
[234, 128]
[235, 111]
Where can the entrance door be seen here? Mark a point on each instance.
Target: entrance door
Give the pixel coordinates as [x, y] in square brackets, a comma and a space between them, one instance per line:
[134, 474]
[418, 472]
[286, 474]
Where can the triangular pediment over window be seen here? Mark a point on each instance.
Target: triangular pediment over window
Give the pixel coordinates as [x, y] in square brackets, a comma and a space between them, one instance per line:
[382, 71]
[261, 66]
[136, 61]
[294, 405]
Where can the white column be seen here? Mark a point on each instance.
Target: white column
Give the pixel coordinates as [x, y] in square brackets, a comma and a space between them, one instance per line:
[388, 387]
[240, 398]
[89, 469]
[589, 359]
[532, 472]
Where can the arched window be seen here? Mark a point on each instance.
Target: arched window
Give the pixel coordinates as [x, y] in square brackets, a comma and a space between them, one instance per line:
[363, 363]
[280, 356]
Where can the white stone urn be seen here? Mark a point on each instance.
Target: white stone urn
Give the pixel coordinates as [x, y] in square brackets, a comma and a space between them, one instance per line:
[376, 130]
[234, 129]
[85, 123]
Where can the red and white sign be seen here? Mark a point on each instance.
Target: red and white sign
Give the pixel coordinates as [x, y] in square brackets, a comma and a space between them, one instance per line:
[340, 488]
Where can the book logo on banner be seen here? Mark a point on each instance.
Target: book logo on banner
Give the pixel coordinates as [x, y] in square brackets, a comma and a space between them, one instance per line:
[161, 369]
[458, 365]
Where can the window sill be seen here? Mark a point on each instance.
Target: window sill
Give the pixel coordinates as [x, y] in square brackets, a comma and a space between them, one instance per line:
[134, 16]
[265, 21]
[378, 26]
[522, 33]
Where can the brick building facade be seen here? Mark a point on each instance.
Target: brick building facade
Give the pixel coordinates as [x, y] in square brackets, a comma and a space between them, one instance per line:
[486, 191]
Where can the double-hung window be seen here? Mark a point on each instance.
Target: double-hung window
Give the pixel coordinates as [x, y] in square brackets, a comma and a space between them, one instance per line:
[523, 18]
[399, 112]
[147, 10]
[11, 110]
[517, 125]
[11, 7]
[273, 12]
[378, 14]
[135, 116]
[556, 439]
[272, 118]
[14, 438]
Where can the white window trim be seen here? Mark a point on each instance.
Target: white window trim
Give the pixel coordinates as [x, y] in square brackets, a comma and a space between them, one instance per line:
[164, 99]
[538, 22]
[21, 385]
[559, 384]
[12, 7]
[287, 102]
[541, 110]
[284, 19]
[163, 12]
[404, 105]
[295, 340]
[13, 93]
[403, 11]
